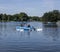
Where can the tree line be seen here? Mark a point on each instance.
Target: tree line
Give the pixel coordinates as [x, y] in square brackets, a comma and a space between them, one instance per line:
[18, 17]
[51, 16]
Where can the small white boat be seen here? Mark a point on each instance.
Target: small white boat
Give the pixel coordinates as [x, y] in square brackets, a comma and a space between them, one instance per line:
[40, 29]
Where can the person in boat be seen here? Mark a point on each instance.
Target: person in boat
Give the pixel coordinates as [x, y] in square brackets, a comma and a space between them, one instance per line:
[28, 25]
[31, 27]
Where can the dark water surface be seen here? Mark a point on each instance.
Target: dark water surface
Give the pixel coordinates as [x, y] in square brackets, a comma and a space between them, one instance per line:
[47, 40]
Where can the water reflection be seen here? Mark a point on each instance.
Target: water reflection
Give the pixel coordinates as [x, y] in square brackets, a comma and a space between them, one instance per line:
[26, 34]
[28, 41]
[50, 24]
[2, 30]
[51, 31]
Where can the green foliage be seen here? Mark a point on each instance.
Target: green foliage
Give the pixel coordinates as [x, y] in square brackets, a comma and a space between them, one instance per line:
[16, 17]
[35, 18]
[52, 16]
[23, 16]
[1, 15]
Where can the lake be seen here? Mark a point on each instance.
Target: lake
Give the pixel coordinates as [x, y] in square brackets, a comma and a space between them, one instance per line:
[47, 40]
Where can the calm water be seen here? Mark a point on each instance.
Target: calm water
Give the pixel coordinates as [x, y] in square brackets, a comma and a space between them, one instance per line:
[47, 40]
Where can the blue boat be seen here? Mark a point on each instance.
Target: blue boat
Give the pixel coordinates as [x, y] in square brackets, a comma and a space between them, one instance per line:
[19, 28]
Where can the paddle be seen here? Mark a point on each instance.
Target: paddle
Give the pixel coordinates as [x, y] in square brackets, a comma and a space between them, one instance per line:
[37, 29]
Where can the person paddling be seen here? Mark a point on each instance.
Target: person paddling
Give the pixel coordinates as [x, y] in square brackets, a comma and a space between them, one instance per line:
[34, 28]
[28, 25]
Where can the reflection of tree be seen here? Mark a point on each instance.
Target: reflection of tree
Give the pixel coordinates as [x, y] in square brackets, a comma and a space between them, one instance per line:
[28, 33]
[51, 32]
[49, 24]
[2, 29]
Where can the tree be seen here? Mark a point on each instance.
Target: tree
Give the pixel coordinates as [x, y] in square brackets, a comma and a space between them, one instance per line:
[51, 16]
[23, 16]
[16, 17]
[5, 17]
[35, 18]
[1, 15]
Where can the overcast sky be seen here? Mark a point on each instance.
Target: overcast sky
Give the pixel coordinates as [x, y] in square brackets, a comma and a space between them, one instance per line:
[31, 7]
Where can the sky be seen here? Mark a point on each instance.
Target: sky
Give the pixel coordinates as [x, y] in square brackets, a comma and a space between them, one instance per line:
[30, 7]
